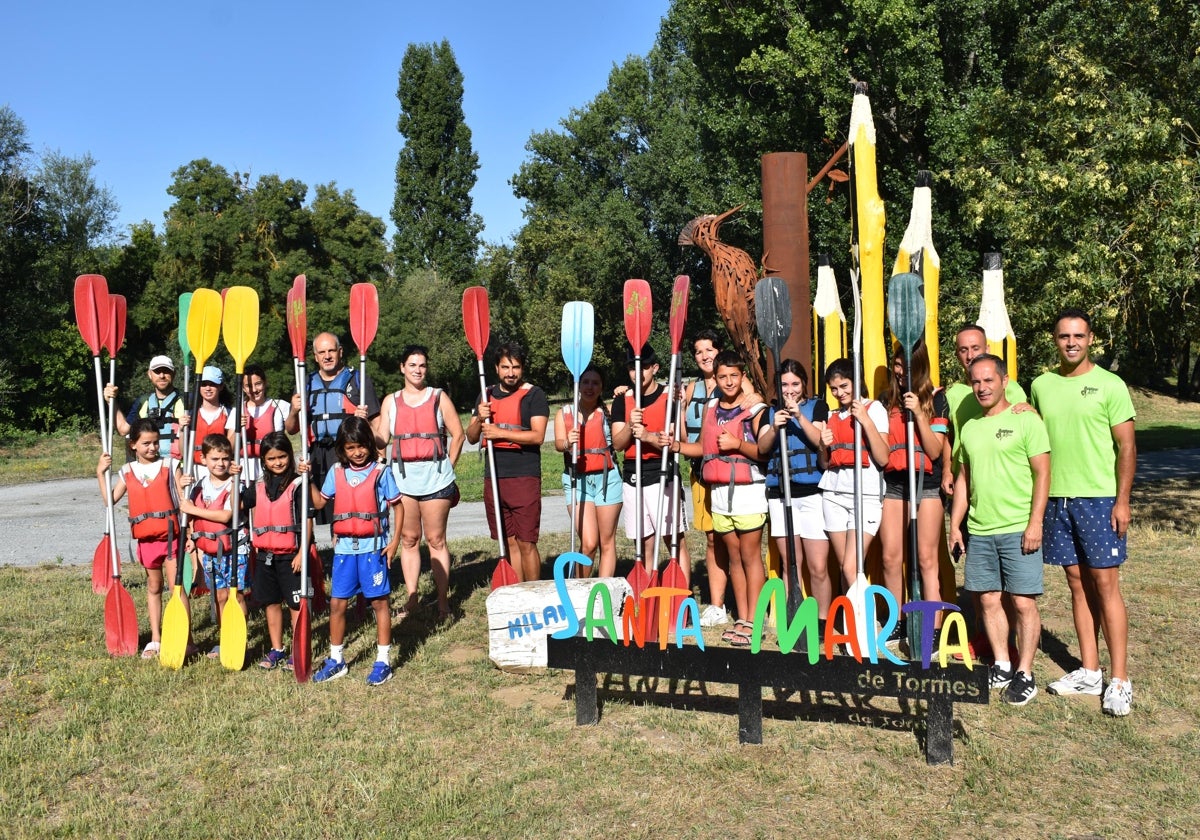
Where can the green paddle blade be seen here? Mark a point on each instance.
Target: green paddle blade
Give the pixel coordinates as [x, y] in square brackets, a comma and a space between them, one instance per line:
[578, 336]
[185, 349]
[773, 313]
[906, 309]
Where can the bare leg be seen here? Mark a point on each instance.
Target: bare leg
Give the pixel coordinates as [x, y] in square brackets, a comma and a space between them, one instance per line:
[433, 516]
[995, 622]
[1086, 627]
[750, 561]
[410, 550]
[337, 620]
[931, 518]
[716, 562]
[275, 625]
[1106, 583]
[737, 574]
[892, 533]
[606, 522]
[1029, 630]
[383, 621]
[154, 602]
[531, 561]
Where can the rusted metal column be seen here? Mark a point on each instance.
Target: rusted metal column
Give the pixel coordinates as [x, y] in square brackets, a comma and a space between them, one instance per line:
[785, 242]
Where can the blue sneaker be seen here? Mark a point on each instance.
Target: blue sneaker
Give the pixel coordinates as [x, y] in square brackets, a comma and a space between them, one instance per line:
[272, 660]
[331, 670]
[381, 673]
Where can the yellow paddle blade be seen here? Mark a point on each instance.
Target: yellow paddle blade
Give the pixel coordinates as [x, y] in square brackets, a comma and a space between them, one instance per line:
[203, 324]
[174, 632]
[233, 634]
[239, 327]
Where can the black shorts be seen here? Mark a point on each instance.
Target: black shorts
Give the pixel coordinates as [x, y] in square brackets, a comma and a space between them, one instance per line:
[274, 580]
[896, 486]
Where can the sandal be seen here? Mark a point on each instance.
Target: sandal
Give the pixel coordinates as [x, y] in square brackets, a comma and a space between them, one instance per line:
[150, 650]
[740, 628]
[739, 639]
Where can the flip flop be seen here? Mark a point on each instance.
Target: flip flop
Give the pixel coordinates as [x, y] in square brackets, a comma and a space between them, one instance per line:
[150, 650]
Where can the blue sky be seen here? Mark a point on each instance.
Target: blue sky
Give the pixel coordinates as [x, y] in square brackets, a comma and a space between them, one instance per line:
[303, 89]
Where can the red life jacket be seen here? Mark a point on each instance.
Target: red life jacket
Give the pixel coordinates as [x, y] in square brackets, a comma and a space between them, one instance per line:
[730, 468]
[152, 511]
[275, 528]
[595, 443]
[356, 509]
[841, 451]
[897, 445]
[417, 432]
[213, 538]
[204, 429]
[258, 428]
[654, 418]
[506, 413]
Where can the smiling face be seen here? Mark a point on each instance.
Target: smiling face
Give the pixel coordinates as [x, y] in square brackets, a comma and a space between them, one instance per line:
[162, 378]
[145, 448]
[704, 352]
[988, 382]
[276, 461]
[729, 380]
[255, 388]
[357, 454]
[218, 462]
[414, 369]
[793, 388]
[843, 390]
[1073, 338]
[510, 371]
[590, 386]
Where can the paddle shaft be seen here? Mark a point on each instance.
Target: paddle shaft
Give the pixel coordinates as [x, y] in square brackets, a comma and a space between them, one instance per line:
[491, 459]
[573, 472]
[668, 464]
[639, 551]
[914, 503]
[793, 574]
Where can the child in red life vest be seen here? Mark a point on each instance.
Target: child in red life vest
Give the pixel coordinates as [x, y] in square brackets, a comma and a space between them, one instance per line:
[260, 416]
[211, 417]
[731, 468]
[209, 507]
[276, 499]
[151, 482]
[361, 490]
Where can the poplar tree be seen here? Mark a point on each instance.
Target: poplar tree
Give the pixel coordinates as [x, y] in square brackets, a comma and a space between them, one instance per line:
[435, 226]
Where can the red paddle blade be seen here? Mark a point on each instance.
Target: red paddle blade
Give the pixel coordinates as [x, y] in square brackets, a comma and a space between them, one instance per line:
[92, 310]
[116, 325]
[679, 305]
[504, 575]
[120, 621]
[101, 573]
[364, 315]
[639, 580]
[637, 313]
[672, 577]
[302, 645]
[475, 318]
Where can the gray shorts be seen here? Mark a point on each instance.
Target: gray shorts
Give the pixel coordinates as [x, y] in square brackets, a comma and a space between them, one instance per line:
[995, 563]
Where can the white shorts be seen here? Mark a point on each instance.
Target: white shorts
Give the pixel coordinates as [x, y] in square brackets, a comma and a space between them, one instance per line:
[650, 515]
[838, 509]
[808, 520]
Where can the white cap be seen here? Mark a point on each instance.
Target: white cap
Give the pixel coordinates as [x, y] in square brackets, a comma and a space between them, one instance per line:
[162, 362]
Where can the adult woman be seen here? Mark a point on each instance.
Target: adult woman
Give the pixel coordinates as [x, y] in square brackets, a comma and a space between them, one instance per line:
[260, 417]
[801, 419]
[594, 483]
[413, 425]
[930, 412]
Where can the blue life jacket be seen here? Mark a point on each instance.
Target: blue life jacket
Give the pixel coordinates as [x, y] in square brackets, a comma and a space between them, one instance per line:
[693, 415]
[802, 455]
[329, 403]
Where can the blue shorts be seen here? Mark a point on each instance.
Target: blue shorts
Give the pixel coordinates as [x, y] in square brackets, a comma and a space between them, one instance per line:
[591, 487]
[222, 566]
[366, 573]
[995, 563]
[1080, 531]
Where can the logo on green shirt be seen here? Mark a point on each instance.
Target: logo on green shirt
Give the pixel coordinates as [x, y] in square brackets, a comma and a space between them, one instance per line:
[1088, 390]
[1004, 434]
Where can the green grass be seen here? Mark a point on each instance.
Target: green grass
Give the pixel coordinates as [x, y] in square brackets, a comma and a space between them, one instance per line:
[92, 746]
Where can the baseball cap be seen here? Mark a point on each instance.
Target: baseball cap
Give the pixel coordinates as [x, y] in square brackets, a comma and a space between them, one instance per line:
[212, 374]
[162, 362]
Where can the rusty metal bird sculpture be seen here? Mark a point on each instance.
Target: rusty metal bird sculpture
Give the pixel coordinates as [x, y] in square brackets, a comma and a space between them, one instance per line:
[734, 276]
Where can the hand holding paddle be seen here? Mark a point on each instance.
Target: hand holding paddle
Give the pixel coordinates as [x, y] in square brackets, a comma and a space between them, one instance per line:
[297, 323]
[578, 336]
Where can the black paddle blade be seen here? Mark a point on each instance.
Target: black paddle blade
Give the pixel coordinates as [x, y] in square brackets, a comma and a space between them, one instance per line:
[773, 313]
[906, 308]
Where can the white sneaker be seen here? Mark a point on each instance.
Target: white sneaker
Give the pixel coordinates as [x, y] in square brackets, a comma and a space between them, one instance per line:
[1078, 681]
[713, 616]
[1118, 698]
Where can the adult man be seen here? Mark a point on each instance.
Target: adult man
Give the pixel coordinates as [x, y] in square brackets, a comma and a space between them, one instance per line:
[1009, 455]
[333, 395]
[518, 412]
[645, 421]
[163, 405]
[1089, 416]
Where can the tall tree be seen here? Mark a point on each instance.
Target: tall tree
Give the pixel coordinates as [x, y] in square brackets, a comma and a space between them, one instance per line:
[435, 226]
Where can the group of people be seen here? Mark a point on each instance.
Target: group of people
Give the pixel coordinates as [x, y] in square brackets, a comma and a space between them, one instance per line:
[1024, 480]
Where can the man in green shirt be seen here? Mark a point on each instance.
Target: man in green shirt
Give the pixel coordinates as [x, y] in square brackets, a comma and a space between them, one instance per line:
[1008, 454]
[1089, 417]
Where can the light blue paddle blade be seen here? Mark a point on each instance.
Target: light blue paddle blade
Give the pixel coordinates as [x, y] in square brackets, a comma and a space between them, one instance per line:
[578, 336]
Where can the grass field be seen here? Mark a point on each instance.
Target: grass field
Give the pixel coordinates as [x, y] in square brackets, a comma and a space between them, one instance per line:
[91, 745]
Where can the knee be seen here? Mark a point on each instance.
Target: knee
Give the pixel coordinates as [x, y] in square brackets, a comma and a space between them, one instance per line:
[409, 541]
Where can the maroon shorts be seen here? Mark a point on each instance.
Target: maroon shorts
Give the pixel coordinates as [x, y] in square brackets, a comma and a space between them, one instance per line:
[520, 505]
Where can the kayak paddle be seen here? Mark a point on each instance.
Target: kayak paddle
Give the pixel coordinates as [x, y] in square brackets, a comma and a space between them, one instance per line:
[578, 337]
[297, 323]
[637, 306]
[364, 323]
[672, 575]
[185, 350]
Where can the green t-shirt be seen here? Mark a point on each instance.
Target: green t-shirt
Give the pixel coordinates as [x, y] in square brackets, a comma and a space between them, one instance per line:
[997, 450]
[964, 407]
[1080, 412]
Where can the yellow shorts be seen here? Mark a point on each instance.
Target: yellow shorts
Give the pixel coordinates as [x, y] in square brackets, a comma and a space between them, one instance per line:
[723, 524]
[701, 504]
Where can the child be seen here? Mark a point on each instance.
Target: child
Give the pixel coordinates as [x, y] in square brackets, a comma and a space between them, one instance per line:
[212, 416]
[276, 500]
[801, 419]
[260, 417]
[730, 468]
[210, 510]
[151, 482]
[837, 484]
[361, 489]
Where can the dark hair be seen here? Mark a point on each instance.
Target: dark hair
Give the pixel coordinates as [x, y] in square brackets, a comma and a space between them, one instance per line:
[730, 358]
[971, 328]
[416, 350]
[354, 429]
[217, 442]
[592, 369]
[142, 425]
[843, 369]
[278, 442]
[795, 369]
[1001, 368]
[918, 379]
[511, 350]
[649, 357]
[711, 336]
[1071, 312]
[253, 370]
